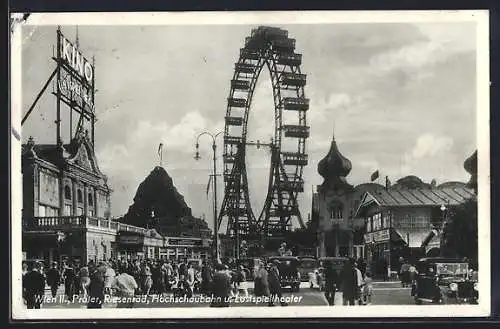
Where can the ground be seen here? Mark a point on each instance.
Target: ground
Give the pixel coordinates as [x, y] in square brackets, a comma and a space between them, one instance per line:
[385, 293]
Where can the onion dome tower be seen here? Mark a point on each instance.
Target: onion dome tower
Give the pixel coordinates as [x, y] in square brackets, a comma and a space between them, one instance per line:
[470, 165]
[334, 168]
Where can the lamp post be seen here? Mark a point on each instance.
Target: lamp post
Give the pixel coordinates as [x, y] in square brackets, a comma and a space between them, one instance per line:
[442, 241]
[214, 175]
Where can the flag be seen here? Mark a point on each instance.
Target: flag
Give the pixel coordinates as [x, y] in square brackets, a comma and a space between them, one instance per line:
[208, 185]
[374, 175]
[160, 149]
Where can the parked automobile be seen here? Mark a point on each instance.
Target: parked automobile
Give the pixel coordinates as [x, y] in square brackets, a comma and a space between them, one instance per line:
[316, 277]
[444, 281]
[306, 265]
[289, 271]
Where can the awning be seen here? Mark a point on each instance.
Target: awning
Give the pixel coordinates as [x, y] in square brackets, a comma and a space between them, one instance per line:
[415, 239]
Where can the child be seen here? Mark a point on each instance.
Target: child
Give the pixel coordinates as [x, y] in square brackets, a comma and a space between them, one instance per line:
[368, 288]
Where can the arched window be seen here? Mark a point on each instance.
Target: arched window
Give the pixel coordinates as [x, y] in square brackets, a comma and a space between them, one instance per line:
[67, 192]
[91, 200]
[80, 196]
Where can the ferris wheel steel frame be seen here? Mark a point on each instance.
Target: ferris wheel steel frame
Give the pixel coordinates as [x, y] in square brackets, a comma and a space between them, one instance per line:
[272, 48]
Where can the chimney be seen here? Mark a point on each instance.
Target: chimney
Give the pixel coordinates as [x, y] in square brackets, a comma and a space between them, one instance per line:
[387, 182]
[433, 183]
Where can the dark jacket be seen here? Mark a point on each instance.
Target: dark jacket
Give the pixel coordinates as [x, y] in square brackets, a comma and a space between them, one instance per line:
[349, 281]
[96, 289]
[53, 277]
[274, 280]
[34, 284]
[221, 285]
[331, 279]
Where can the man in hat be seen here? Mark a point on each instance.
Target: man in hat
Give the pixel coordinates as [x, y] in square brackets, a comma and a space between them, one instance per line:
[34, 285]
[53, 278]
[221, 287]
[275, 284]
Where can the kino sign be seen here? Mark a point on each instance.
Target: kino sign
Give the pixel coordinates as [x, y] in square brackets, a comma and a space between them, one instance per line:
[76, 60]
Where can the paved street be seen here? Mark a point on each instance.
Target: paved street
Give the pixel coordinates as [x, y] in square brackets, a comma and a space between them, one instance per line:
[385, 293]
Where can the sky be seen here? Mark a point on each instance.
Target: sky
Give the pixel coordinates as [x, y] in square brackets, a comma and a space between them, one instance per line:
[399, 97]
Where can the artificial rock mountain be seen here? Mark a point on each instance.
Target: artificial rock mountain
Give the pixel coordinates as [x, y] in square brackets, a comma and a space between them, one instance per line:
[158, 204]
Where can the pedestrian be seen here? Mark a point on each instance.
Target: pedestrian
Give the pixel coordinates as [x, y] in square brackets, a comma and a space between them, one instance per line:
[54, 279]
[360, 282]
[147, 281]
[412, 271]
[206, 278]
[241, 281]
[275, 284]
[69, 281]
[125, 286]
[261, 284]
[34, 286]
[96, 287]
[109, 277]
[368, 288]
[84, 281]
[404, 274]
[190, 279]
[221, 287]
[168, 273]
[331, 279]
[183, 267]
[349, 283]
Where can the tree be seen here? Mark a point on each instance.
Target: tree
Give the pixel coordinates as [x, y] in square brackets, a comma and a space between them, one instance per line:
[460, 235]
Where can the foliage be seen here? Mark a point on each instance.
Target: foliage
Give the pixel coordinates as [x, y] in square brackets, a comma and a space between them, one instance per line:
[460, 235]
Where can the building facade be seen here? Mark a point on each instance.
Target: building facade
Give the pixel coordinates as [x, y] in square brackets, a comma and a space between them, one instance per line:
[66, 212]
[65, 200]
[398, 220]
[382, 222]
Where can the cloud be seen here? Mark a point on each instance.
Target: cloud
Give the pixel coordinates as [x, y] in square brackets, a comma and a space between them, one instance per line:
[427, 148]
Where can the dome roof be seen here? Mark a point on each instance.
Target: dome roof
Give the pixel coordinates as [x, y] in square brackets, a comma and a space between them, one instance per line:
[334, 164]
[470, 164]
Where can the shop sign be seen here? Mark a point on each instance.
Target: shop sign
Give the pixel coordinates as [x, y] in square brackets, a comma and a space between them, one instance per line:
[184, 242]
[368, 237]
[380, 236]
[130, 239]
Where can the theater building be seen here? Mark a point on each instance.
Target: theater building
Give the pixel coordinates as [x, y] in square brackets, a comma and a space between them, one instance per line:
[66, 202]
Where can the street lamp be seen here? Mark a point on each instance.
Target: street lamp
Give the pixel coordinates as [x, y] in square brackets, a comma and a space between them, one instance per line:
[443, 209]
[198, 157]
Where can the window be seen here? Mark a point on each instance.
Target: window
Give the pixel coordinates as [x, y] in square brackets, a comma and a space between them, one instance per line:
[91, 200]
[79, 211]
[368, 224]
[41, 211]
[377, 222]
[336, 211]
[68, 210]
[80, 196]
[91, 213]
[67, 192]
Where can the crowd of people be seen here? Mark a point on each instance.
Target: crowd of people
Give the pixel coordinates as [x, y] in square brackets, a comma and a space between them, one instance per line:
[222, 281]
[126, 278]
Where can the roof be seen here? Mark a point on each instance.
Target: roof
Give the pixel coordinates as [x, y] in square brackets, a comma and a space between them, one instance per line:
[419, 197]
[441, 260]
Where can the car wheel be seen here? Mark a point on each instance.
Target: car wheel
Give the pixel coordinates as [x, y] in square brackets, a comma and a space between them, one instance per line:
[418, 301]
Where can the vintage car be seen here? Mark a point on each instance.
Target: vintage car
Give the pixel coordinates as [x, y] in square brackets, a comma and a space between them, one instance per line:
[444, 281]
[316, 277]
[307, 265]
[289, 271]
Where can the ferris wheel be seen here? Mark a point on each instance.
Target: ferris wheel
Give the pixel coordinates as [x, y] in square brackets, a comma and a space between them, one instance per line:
[266, 48]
